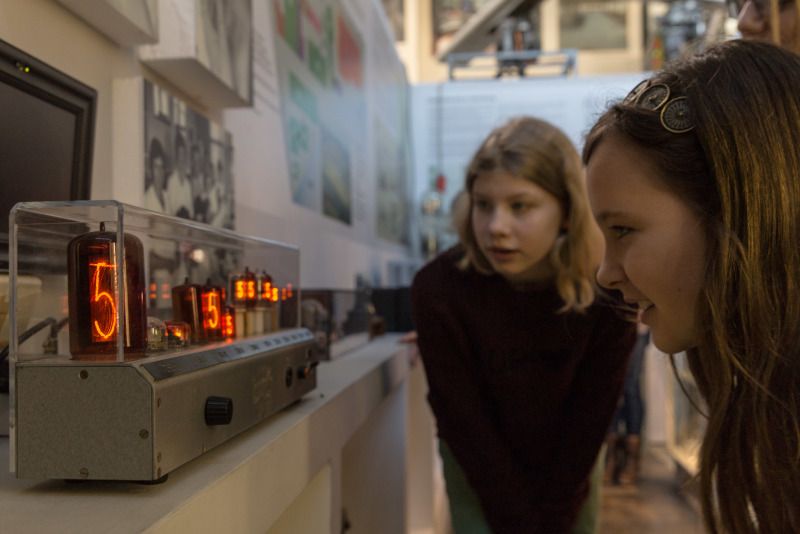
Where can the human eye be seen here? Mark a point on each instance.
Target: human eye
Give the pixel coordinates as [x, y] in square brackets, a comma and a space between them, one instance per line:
[619, 231]
[481, 204]
[520, 207]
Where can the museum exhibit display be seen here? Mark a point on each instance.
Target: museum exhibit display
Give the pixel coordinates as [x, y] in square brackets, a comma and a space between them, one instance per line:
[141, 369]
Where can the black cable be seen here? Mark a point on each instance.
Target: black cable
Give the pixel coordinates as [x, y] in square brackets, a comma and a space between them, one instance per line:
[27, 334]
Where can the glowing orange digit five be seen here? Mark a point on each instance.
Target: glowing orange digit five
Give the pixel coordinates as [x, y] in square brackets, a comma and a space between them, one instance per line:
[251, 290]
[239, 286]
[106, 326]
[211, 309]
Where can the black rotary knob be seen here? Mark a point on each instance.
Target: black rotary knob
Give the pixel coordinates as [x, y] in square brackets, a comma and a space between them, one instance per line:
[219, 411]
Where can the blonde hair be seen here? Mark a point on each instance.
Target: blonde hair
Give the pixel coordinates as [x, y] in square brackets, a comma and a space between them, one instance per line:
[539, 152]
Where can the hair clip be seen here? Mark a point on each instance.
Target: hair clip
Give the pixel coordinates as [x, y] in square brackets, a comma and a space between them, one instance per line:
[633, 94]
[653, 97]
[675, 114]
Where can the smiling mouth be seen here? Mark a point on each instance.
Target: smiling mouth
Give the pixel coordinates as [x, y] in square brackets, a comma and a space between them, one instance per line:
[641, 305]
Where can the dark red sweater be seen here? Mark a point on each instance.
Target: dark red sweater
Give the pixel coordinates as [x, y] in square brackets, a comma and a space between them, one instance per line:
[522, 395]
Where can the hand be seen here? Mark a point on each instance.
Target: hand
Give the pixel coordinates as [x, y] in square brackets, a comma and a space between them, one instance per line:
[410, 339]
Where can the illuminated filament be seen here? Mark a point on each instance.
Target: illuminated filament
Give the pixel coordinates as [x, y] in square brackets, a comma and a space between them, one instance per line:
[103, 306]
[211, 310]
[228, 328]
[240, 290]
[266, 290]
[251, 290]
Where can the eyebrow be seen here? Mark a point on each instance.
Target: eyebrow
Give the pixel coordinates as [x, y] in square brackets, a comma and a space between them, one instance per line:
[603, 216]
[515, 196]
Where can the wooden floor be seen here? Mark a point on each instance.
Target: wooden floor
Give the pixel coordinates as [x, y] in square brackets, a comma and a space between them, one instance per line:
[653, 506]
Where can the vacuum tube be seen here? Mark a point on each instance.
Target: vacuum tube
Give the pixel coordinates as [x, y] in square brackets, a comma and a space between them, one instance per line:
[96, 316]
[186, 308]
[211, 308]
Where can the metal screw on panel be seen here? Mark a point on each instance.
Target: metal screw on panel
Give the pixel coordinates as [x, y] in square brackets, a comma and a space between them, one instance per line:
[84, 472]
[143, 433]
[84, 374]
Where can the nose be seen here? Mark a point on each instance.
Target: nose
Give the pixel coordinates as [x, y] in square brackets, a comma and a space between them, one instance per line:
[751, 23]
[610, 274]
[499, 222]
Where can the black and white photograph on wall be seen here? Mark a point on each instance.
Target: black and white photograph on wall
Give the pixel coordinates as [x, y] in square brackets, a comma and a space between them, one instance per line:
[224, 42]
[189, 174]
[188, 161]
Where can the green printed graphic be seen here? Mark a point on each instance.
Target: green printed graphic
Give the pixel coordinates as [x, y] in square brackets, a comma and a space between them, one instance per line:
[303, 98]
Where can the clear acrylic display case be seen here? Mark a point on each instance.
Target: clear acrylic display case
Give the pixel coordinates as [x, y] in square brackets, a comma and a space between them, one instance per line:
[187, 298]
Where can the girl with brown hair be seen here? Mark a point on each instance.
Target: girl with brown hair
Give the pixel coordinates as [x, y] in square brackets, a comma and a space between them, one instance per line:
[524, 363]
[694, 181]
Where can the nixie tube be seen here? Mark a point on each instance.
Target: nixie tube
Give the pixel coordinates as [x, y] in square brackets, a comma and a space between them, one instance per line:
[186, 307]
[96, 315]
[289, 315]
[212, 312]
[252, 288]
[229, 322]
[238, 298]
[249, 319]
[267, 302]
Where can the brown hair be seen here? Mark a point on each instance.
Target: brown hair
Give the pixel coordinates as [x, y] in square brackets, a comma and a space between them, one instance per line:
[739, 169]
[539, 152]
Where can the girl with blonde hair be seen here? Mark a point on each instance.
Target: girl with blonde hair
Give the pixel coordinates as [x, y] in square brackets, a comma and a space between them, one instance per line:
[524, 361]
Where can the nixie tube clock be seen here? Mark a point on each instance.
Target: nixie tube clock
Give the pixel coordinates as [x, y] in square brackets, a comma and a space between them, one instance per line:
[186, 307]
[97, 319]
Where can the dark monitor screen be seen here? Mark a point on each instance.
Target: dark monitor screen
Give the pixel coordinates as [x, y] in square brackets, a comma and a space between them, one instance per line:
[46, 135]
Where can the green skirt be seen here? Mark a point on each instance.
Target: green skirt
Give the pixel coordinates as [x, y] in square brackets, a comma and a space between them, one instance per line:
[467, 517]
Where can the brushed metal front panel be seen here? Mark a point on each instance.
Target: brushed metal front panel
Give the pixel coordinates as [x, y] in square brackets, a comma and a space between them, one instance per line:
[83, 422]
[139, 420]
[257, 385]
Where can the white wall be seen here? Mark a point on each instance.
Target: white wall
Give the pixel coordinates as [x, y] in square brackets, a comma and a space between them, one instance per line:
[332, 253]
[450, 120]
